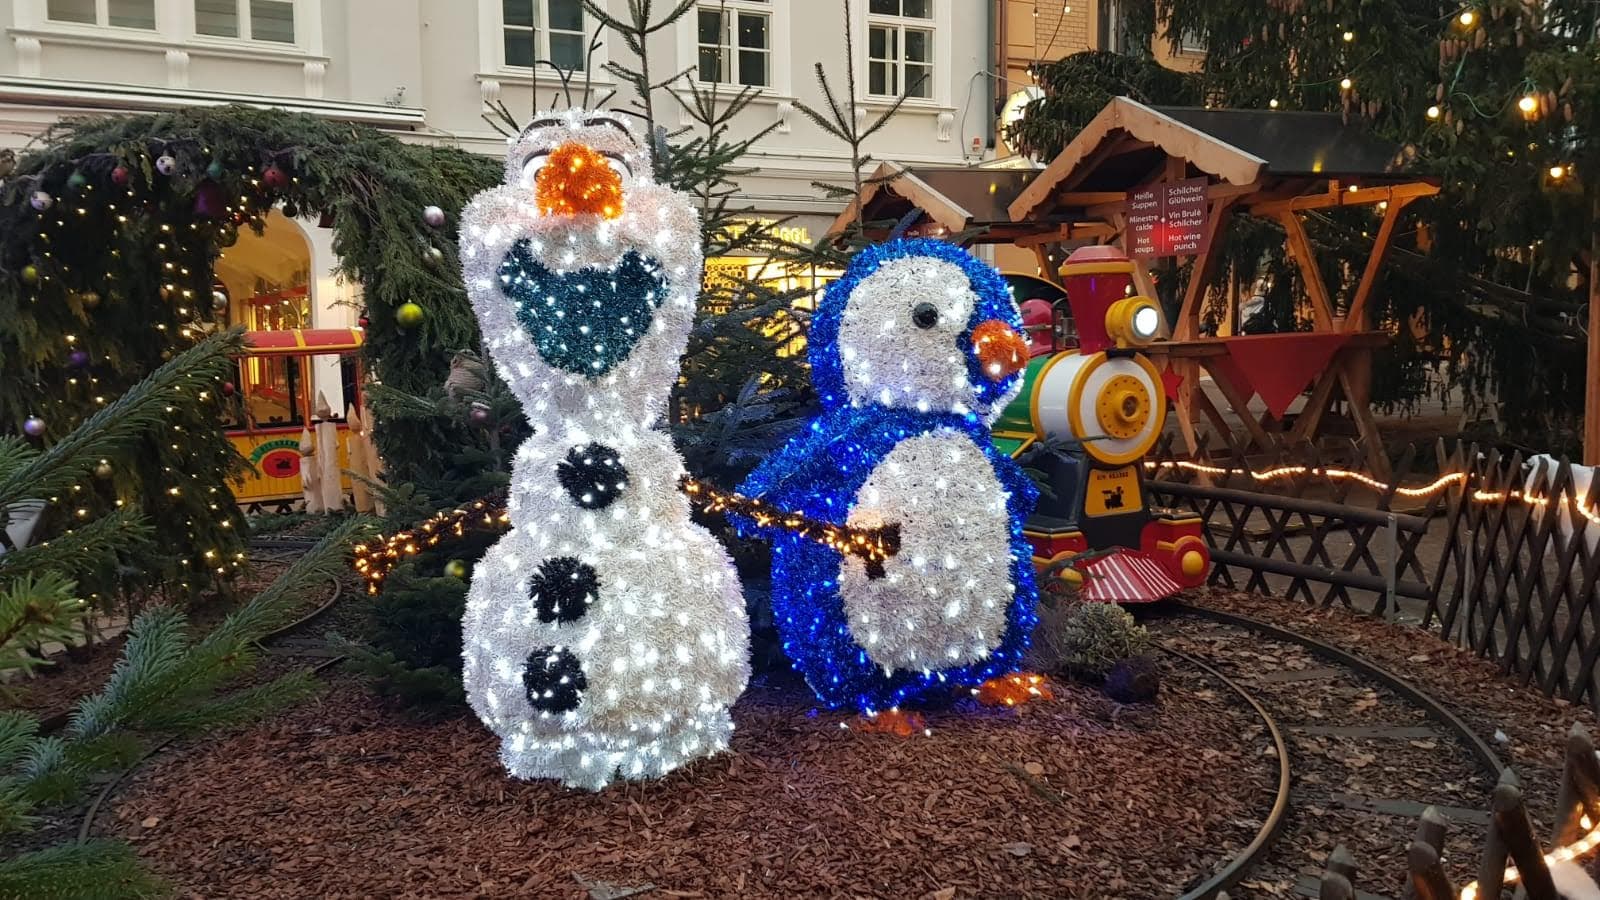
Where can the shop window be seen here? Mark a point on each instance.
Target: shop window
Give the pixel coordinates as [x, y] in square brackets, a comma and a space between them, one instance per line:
[250, 20]
[140, 14]
[900, 39]
[553, 30]
[735, 43]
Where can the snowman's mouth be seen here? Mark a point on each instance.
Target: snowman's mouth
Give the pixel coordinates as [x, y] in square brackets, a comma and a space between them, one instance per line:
[584, 321]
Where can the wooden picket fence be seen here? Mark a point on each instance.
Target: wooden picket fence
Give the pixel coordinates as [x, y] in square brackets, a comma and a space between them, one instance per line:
[1512, 853]
[1490, 553]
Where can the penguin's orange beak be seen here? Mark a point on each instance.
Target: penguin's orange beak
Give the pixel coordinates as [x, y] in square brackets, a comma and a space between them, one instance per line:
[1001, 351]
[576, 180]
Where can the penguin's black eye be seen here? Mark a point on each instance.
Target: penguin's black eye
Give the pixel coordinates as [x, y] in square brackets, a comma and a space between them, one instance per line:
[925, 315]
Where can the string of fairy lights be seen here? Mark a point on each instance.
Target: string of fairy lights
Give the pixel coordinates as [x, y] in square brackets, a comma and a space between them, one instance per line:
[1580, 504]
[374, 560]
[1580, 847]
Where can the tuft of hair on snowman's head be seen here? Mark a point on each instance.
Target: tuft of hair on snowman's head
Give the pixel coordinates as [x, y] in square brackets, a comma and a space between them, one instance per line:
[582, 270]
[918, 324]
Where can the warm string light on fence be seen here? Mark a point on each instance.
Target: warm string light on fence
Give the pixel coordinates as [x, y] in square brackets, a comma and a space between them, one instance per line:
[1568, 853]
[1438, 484]
[374, 561]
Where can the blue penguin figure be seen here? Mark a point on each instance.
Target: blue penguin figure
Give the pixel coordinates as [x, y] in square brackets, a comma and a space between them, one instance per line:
[913, 352]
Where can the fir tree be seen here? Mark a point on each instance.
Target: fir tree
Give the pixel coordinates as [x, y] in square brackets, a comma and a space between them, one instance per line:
[168, 680]
[1498, 99]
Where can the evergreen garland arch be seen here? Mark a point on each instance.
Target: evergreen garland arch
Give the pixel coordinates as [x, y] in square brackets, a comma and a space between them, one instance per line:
[118, 265]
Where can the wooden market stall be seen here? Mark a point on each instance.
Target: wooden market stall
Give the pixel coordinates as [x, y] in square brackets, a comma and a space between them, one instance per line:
[1165, 182]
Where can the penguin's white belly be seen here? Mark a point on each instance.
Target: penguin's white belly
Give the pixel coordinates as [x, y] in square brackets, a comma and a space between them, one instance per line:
[942, 599]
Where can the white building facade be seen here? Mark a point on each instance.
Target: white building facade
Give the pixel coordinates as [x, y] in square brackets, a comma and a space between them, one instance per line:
[425, 70]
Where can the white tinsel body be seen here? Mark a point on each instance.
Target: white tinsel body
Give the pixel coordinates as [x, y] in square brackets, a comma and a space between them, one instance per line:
[943, 598]
[664, 641]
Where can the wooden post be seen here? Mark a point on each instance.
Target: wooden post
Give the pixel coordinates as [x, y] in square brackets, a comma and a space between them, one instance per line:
[1428, 880]
[1591, 400]
[1430, 833]
[1306, 259]
[1492, 867]
[1356, 319]
[1580, 783]
[1516, 829]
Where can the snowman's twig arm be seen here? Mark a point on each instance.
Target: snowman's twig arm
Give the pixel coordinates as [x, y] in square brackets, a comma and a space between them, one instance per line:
[873, 545]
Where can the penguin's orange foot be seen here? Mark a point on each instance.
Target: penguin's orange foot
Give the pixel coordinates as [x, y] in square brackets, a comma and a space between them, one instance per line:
[893, 721]
[1013, 690]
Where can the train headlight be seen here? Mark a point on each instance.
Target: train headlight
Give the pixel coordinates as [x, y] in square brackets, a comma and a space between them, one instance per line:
[1133, 321]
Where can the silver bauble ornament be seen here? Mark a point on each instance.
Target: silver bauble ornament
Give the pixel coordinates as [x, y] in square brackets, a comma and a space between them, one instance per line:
[166, 164]
[434, 216]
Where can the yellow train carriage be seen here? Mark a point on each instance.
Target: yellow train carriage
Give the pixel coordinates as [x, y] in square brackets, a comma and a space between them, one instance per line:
[281, 380]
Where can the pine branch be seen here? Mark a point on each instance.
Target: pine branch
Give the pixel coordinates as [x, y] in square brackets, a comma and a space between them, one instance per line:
[119, 424]
[87, 871]
[84, 549]
[35, 609]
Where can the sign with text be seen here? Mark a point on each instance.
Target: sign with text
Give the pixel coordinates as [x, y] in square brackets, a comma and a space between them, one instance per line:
[1167, 219]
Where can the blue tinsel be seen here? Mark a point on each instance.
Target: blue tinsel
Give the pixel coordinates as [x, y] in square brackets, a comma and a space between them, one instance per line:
[994, 302]
[585, 321]
[819, 473]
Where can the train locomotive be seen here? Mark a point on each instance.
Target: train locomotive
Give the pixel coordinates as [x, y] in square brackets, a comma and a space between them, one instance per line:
[1086, 417]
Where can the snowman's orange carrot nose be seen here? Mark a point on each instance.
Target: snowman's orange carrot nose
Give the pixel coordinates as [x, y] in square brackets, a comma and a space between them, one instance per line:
[576, 180]
[1000, 350]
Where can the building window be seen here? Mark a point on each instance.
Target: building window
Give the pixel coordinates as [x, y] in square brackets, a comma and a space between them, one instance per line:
[735, 42]
[139, 14]
[1191, 41]
[550, 30]
[250, 20]
[900, 48]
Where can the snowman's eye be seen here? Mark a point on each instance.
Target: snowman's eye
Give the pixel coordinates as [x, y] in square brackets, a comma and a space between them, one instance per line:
[531, 167]
[925, 315]
[619, 166]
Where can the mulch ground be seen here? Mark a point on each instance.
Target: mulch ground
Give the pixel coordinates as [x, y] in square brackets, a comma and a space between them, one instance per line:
[1067, 797]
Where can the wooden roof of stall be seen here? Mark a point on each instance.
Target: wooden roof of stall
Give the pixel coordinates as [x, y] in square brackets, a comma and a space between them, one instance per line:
[1259, 155]
[956, 198]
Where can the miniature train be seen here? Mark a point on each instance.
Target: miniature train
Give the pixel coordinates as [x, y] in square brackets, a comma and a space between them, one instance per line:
[282, 378]
[1092, 406]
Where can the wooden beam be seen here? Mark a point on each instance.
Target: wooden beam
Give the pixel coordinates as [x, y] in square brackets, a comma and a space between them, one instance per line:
[1306, 424]
[1366, 424]
[1335, 197]
[1066, 231]
[1188, 325]
[1046, 271]
[1241, 406]
[1089, 198]
[1356, 319]
[1305, 257]
[1218, 191]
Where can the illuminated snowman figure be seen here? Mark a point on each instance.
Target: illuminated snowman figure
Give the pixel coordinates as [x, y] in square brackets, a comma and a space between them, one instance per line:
[606, 634]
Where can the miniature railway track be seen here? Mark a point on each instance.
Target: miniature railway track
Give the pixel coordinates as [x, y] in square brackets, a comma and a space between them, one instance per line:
[1238, 867]
[1368, 751]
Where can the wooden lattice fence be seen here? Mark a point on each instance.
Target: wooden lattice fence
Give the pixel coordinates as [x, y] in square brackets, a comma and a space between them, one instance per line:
[1493, 552]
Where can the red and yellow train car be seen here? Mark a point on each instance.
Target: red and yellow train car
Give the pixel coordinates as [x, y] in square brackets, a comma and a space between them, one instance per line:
[282, 378]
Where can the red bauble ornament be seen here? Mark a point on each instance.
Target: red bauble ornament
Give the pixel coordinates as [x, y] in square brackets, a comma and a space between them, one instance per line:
[119, 176]
[228, 389]
[363, 321]
[275, 178]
